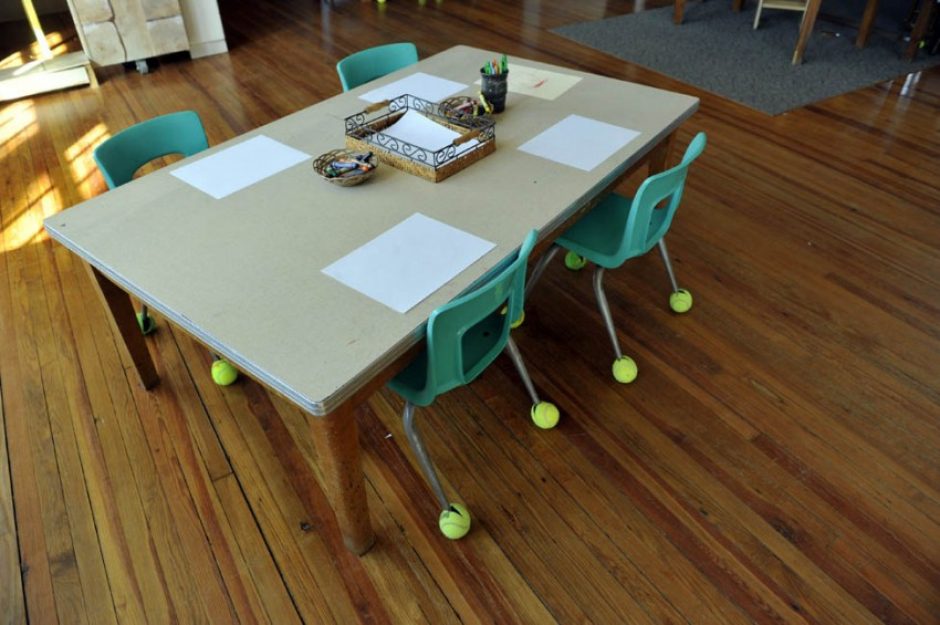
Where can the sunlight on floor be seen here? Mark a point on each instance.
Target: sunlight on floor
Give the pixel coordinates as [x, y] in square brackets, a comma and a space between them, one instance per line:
[17, 125]
[32, 53]
[41, 199]
[14, 60]
[81, 160]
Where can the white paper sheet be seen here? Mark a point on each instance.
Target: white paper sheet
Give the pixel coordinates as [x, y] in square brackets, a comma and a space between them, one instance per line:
[239, 166]
[540, 83]
[418, 130]
[410, 261]
[579, 142]
[425, 86]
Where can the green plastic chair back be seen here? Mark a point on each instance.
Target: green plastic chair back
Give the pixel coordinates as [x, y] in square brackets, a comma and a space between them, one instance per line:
[619, 229]
[122, 155]
[365, 65]
[465, 335]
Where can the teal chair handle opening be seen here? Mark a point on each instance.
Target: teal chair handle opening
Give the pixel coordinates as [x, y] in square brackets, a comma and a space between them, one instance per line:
[646, 225]
[122, 155]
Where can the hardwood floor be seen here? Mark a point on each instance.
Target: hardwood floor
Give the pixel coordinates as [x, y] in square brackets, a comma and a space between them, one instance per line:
[777, 461]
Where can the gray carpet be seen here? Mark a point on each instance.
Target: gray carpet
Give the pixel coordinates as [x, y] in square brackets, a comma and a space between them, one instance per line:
[715, 49]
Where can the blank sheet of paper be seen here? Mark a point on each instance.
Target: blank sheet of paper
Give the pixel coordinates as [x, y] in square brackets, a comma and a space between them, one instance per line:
[425, 86]
[408, 262]
[416, 129]
[579, 142]
[239, 166]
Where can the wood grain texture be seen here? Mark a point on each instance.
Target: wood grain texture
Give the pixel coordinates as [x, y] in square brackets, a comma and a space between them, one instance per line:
[776, 461]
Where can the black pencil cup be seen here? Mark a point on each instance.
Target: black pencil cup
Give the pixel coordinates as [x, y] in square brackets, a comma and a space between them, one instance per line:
[494, 88]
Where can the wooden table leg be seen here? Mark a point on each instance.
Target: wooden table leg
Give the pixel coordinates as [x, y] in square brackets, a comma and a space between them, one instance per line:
[868, 21]
[336, 439]
[677, 10]
[737, 5]
[806, 29]
[658, 158]
[124, 322]
[920, 28]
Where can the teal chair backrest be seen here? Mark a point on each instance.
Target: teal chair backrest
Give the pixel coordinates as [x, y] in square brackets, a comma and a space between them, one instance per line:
[122, 155]
[456, 354]
[646, 224]
[361, 67]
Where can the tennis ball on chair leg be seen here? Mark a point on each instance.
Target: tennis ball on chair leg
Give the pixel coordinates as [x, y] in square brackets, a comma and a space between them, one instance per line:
[680, 301]
[545, 415]
[624, 369]
[223, 373]
[454, 522]
[146, 323]
[575, 262]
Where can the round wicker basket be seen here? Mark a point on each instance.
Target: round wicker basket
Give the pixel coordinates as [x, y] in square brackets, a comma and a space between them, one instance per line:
[461, 108]
[324, 161]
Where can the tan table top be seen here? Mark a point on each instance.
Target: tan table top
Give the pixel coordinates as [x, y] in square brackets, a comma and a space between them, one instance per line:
[242, 274]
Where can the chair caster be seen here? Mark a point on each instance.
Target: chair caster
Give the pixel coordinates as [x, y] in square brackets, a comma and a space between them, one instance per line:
[454, 522]
[680, 301]
[574, 262]
[146, 323]
[545, 415]
[624, 369]
[223, 373]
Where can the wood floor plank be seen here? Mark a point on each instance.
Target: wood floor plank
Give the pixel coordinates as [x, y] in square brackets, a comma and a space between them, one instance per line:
[12, 598]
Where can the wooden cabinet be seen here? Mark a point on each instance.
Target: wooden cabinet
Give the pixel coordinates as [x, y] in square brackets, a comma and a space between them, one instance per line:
[118, 31]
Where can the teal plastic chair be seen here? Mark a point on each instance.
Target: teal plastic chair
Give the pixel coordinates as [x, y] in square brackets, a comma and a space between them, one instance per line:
[119, 158]
[463, 337]
[365, 65]
[621, 228]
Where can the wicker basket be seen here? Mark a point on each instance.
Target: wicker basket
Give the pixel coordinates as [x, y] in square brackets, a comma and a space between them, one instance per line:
[322, 162]
[465, 109]
[364, 132]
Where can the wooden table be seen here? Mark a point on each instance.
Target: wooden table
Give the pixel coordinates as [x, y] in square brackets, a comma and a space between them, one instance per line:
[242, 274]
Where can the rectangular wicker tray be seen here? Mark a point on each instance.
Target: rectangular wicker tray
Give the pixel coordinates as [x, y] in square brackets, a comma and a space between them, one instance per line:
[364, 132]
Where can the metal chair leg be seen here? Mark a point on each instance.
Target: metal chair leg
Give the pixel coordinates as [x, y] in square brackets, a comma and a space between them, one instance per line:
[605, 310]
[513, 350]
[544, 413]
[417, 446]
[668, 263]
[624, 368]
[540, 268]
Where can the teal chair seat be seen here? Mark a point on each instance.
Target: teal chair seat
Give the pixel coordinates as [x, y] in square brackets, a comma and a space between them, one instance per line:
[119, 157]
[598, 235]
[621, 228]
[367, 65]
[462, 338]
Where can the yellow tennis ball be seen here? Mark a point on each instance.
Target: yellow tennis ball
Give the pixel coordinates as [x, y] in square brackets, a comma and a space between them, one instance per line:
[454, 522]
[146, 323]
[575, 262]
[223, 373]
[680, 301]
[545, 415]
[624, 370]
